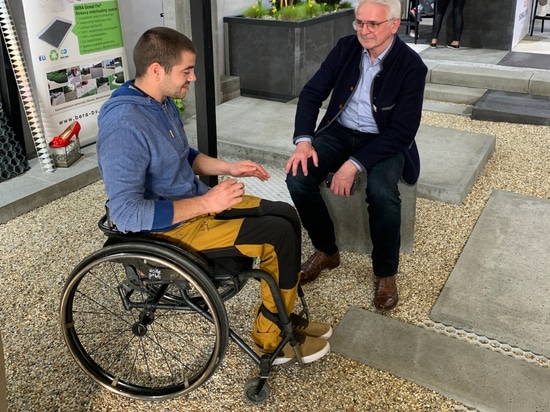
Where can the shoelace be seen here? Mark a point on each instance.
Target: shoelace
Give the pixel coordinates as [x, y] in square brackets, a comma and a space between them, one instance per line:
[298, 322]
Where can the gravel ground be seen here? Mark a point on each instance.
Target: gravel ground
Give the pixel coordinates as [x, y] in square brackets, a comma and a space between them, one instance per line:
[39, 249]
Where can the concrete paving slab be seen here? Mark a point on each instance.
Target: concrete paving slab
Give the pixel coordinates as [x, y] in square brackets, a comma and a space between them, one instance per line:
[35, 188]
[464, 55]
[500, 286]
[471, 375]
[451, 161]
[502, 106]
[262, 130]
[483, 77]
[529, 60]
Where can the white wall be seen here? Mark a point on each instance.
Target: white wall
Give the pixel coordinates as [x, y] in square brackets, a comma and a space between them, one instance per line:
[134, 22]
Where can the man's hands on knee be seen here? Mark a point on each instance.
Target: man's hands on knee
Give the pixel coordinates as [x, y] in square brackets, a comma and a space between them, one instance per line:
[344, 179]
[300, 156]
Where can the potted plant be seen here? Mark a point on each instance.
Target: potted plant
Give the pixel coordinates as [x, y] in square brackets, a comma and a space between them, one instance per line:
[276, 49]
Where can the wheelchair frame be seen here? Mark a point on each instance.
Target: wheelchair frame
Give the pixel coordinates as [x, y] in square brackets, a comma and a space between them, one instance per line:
[145, 318]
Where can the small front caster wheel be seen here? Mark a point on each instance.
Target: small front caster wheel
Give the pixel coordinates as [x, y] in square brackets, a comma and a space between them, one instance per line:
[251, 388]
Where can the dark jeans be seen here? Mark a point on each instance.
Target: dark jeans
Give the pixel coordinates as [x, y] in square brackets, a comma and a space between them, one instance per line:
[334, 146]
[458, 24]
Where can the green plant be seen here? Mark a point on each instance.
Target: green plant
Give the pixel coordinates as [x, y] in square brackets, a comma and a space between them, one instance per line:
[180, 105]
[256, 11]
[293, 10]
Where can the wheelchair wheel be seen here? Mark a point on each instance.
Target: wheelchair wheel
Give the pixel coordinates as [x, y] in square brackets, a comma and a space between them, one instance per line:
[143, 321]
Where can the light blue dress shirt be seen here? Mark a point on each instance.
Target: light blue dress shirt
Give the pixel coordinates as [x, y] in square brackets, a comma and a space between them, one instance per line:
[357, 115]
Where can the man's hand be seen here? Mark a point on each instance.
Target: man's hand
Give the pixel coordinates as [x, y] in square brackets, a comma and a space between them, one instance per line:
[248, 168]
[303, 151]
[224, 195]
[343, 179]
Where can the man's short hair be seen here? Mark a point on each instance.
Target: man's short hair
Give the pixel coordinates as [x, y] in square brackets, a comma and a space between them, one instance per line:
[162, 45]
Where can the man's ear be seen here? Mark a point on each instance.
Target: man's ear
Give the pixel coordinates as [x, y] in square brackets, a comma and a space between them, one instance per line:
[155, 70]
[395, 25]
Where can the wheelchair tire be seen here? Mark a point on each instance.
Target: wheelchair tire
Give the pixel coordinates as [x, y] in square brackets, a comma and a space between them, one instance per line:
[143, 321]
[250, 391]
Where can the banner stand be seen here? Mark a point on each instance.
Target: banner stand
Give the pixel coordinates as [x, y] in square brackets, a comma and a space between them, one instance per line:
[25, 90]
[68, 57]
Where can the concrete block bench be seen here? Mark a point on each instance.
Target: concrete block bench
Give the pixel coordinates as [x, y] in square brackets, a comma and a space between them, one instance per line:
[351, 218]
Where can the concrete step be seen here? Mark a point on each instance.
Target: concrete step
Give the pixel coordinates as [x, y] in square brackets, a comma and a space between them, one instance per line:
[493, 77]
[502, 106]
[264, 134]
[230, 87]
[445, 107]
[40, 187]
[453, 94]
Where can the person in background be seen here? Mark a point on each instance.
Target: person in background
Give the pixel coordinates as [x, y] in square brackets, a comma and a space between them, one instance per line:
[425, 8]
[376, 83]
[458, 21]
[149, 171]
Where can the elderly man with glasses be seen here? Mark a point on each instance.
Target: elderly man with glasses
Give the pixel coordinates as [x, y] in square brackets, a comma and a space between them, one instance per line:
[376, 83]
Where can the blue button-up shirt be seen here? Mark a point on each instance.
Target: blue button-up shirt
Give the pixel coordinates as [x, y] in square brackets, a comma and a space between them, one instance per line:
[357, 115]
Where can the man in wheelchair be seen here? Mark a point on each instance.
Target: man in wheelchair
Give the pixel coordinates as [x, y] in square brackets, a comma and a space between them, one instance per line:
[150, 176]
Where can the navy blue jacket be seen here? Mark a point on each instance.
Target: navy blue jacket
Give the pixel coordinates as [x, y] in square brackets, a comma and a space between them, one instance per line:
[397, 93]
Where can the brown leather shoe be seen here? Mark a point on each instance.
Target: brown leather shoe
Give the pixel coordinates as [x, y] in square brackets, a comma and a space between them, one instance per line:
[385, 293]
[312, 267]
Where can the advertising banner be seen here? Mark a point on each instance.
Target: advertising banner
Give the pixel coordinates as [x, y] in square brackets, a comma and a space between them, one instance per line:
[75, 54]
[521, 23]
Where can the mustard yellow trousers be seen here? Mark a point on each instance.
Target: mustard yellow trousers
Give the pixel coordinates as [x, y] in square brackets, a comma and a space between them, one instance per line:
[256, 228]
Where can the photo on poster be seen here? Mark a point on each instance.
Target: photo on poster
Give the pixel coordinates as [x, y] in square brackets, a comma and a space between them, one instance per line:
[55, 32]
[78, 58]
[80, 82]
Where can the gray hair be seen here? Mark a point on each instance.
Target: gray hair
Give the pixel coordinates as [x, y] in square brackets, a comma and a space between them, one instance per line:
[393, 6]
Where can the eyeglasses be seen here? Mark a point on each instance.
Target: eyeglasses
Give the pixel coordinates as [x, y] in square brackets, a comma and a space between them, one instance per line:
[371, 25]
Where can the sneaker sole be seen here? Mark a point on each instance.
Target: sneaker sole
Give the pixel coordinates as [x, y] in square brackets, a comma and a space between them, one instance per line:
[327, 335]
[317, 355]
[324, 336]
[281, 360]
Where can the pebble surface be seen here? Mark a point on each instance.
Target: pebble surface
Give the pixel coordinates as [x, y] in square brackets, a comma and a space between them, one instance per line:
[39, 249]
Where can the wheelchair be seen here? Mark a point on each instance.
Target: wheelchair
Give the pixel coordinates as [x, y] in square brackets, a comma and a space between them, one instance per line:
[145, 318]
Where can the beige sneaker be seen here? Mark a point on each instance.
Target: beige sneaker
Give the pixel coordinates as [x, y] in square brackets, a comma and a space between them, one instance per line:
[310, 350]
[311, 328]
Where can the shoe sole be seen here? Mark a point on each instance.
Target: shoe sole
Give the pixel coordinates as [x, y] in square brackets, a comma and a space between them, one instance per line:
[324, 336]
[386, 309]
[305, 359]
